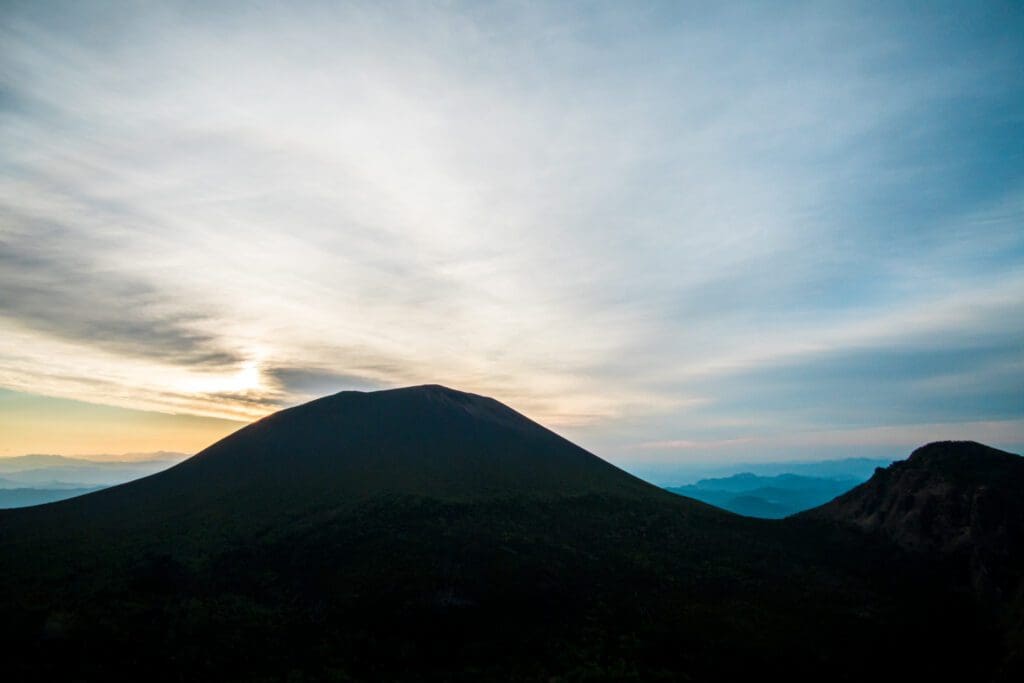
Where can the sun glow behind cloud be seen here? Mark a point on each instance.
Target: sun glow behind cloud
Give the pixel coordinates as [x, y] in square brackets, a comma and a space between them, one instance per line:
[614, 219]
[246, 379]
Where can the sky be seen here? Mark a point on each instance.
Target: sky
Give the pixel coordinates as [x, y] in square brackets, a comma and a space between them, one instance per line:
[673, 232]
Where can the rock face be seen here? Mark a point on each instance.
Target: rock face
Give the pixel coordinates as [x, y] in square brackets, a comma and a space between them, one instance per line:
[959, 501]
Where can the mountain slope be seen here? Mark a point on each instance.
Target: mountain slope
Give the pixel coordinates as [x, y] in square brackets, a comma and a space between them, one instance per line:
[428, 534]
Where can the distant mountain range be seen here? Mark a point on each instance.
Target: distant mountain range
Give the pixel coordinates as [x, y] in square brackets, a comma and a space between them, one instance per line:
[674, 475]
[425, 534]
[15, 497]
[34, 461]
[771, 497]
[35, 479]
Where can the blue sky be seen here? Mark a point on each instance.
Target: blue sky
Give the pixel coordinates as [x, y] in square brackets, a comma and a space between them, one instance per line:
[672, 233]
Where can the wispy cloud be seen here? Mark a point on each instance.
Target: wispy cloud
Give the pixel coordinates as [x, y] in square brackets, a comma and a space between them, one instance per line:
[637, 222]
[53, 282]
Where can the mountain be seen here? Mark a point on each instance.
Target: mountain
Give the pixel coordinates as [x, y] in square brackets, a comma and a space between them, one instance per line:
[672, 475]
[429, 534]
[841, 468]
[20, 463]
[35, 461]
[768, 497]
[16, 497]
[957, 505]
[957, 500]
[345, 449]
[53, 485]
[61, 472]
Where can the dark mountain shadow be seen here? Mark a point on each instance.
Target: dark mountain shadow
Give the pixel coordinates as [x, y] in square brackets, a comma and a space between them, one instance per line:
[958, 505]
[427, 534]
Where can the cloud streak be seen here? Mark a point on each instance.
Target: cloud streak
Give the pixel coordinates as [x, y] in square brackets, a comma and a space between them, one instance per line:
[53, 283]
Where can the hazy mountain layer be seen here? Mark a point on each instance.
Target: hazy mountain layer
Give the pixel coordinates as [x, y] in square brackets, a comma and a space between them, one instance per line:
[768, 497]
[58, 471]
[13, 497]
[672, 475]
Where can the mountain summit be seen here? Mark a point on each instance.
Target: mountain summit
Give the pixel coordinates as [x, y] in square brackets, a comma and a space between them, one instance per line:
[428, 440]
[423, 440]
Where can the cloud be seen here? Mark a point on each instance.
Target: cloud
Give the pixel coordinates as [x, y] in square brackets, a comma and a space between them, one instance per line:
[661, 219]
[874, 386]
[317, 381]
[52, 282]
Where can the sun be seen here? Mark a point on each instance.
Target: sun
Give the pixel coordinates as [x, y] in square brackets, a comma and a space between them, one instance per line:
[246, 379]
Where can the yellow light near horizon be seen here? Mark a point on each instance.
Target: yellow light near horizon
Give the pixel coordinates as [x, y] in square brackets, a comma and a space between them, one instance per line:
[41, 424]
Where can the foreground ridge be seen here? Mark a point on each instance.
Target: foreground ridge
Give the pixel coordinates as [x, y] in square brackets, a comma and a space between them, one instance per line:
[364, 535]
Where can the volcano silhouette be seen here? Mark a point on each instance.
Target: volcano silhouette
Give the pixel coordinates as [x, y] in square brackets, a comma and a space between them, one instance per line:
[346, 449]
